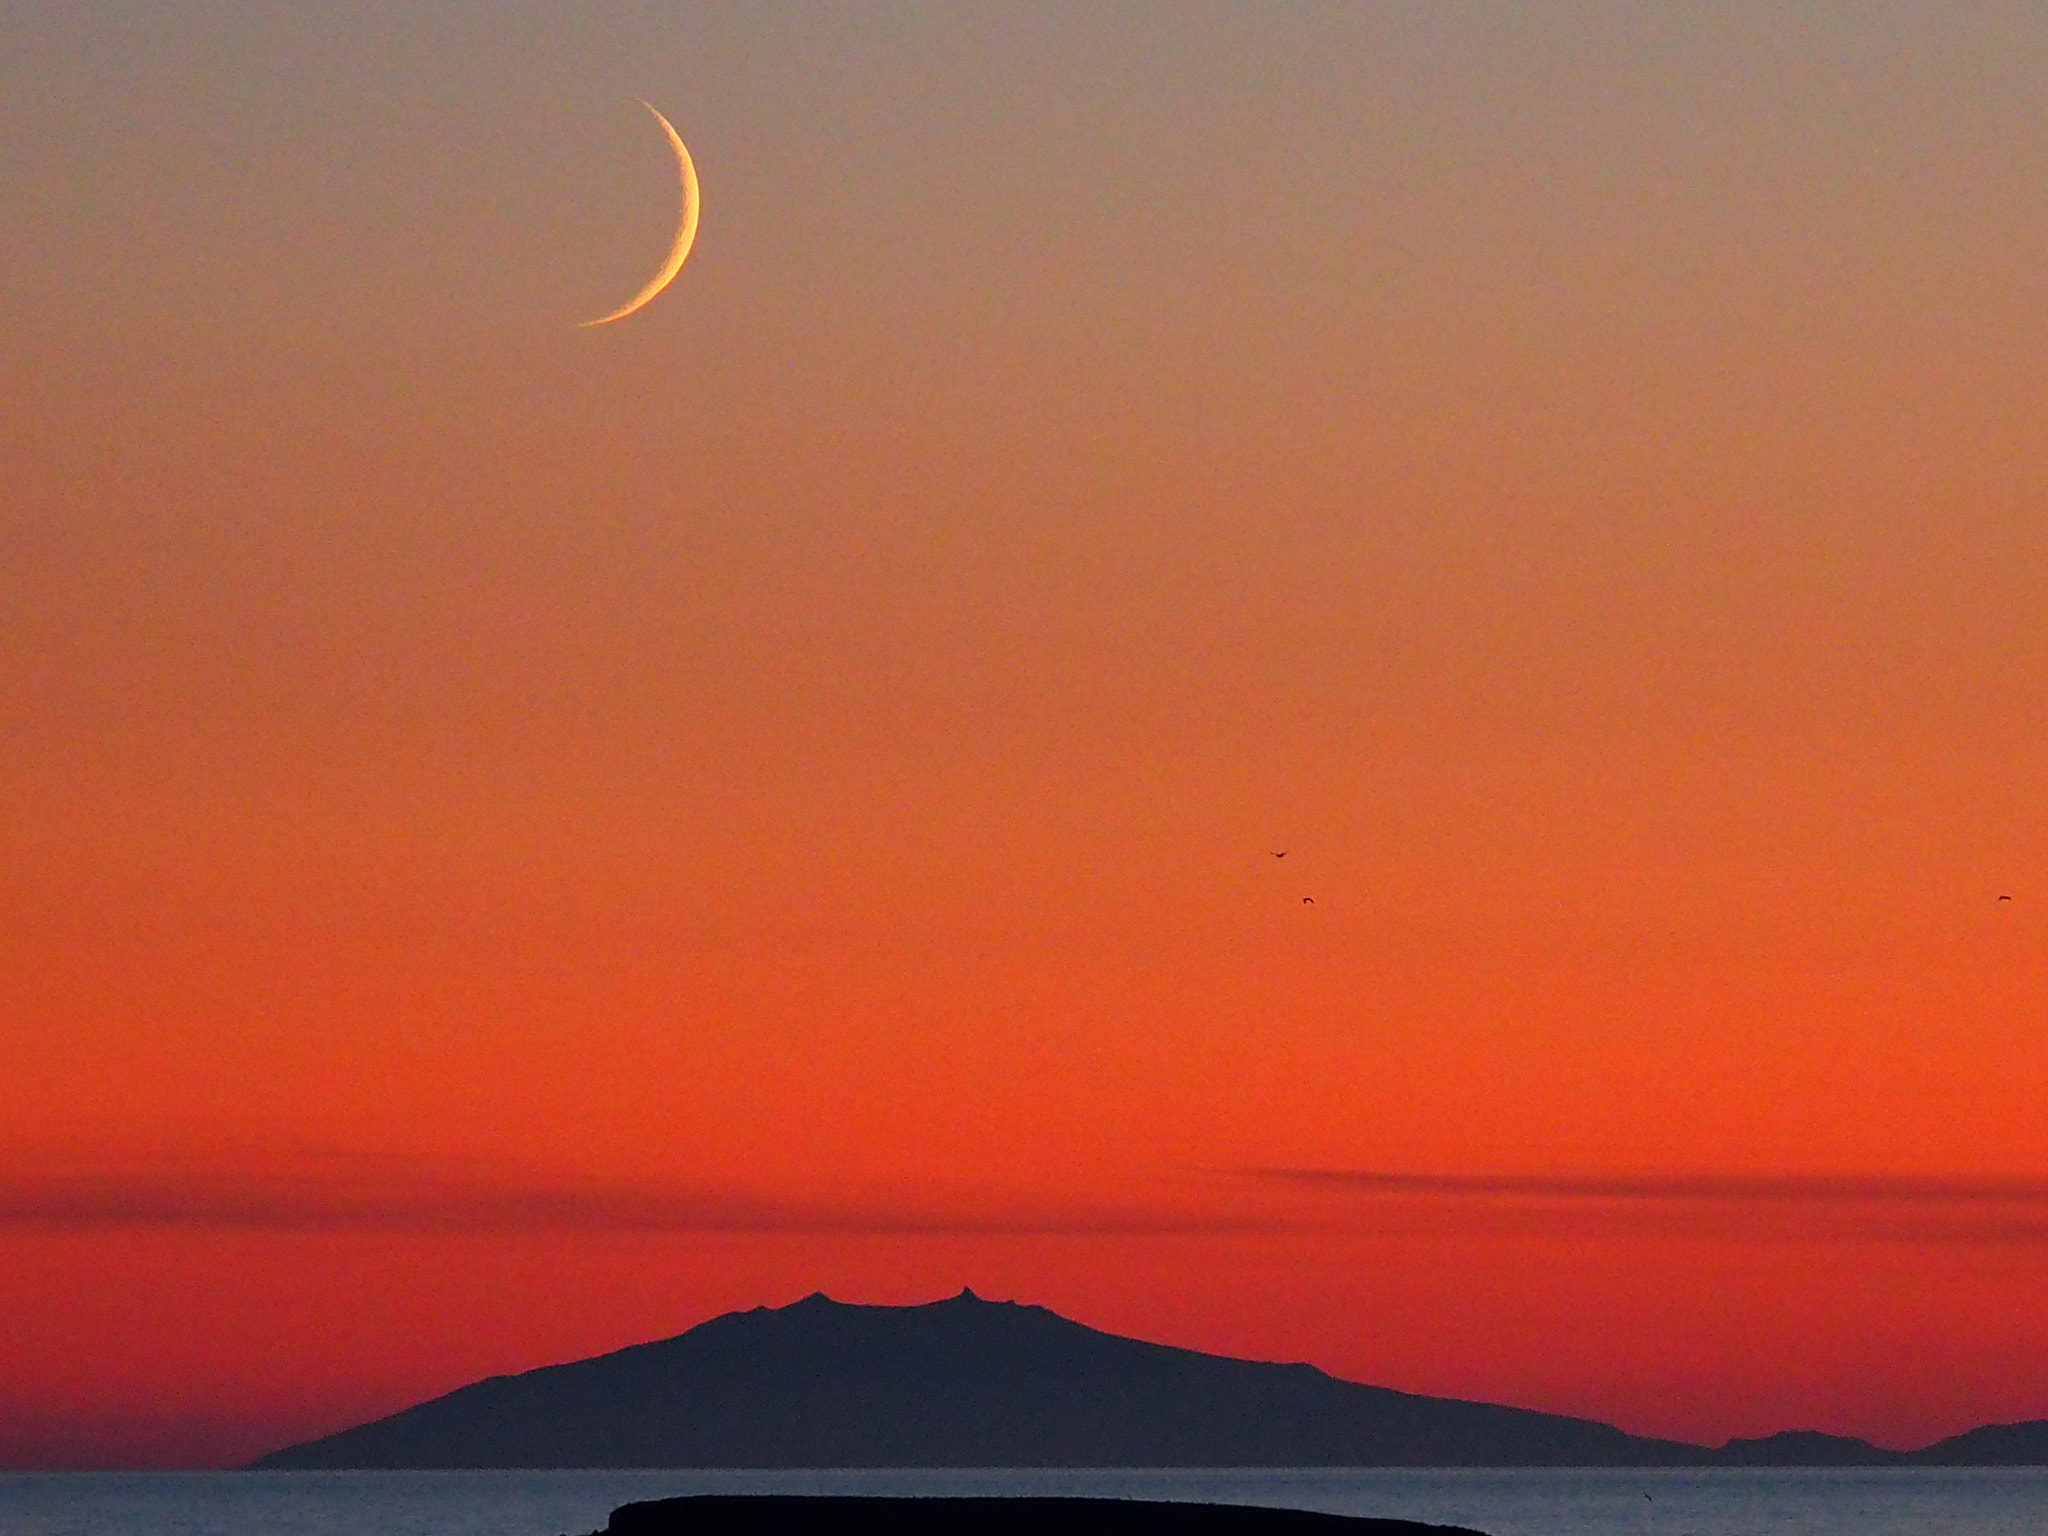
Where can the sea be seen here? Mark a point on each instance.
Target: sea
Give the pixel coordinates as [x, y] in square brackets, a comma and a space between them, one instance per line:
[1545, 1502]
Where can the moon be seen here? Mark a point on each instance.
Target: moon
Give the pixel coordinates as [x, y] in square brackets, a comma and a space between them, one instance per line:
[686, 231]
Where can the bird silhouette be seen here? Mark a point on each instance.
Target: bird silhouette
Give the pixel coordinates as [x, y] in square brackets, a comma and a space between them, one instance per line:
[1308, 901]
[2005, 898]
[1281, 854]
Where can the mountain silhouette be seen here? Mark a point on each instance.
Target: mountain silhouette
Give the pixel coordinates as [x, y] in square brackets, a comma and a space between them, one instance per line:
[1804, 1448]
[973, 1383]
[1990, 1445]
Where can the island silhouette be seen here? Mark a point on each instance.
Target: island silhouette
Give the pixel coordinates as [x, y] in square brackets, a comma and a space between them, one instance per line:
[972, 1383]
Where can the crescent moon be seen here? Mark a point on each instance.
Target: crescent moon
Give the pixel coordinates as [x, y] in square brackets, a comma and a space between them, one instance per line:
[686, 231]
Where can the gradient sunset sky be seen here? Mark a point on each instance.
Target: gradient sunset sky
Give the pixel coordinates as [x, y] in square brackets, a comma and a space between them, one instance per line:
[516, 839]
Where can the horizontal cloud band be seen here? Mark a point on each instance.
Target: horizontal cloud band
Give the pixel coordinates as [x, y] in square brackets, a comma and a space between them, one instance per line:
[1825, 1189]
[393, 1196]
[388, 1203]
[1885, 1208]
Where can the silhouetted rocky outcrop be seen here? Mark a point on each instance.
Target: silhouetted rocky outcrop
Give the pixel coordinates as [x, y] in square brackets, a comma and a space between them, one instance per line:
[788, 1515]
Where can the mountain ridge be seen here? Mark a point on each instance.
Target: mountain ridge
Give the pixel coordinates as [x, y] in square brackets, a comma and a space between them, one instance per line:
[967, 1382]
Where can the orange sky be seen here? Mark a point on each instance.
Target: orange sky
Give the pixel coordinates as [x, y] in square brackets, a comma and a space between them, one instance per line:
[518, 839]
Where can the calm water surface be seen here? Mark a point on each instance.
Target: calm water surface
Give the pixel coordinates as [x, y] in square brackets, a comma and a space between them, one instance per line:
[1997, 1502]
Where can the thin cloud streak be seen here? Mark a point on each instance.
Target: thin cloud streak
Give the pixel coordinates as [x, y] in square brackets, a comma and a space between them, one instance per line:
[388, 1195]
[1590, 1221]
[387, 1204]
[1781, 1208]
[1793, 1189]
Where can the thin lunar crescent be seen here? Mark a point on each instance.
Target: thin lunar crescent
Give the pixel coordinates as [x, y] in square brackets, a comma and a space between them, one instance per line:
[686, 231]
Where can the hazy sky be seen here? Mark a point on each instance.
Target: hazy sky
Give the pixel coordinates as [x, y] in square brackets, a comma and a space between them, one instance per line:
[517, 838]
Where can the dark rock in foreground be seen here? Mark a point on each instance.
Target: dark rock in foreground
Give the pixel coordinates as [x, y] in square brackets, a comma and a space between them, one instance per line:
[800, 1515]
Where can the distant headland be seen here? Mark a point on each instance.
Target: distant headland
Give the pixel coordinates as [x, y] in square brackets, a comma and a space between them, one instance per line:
[973, 1383]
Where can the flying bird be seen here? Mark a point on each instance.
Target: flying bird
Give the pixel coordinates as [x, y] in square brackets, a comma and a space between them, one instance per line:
[1281, 854]
[2005, 898]
[1308, 901]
